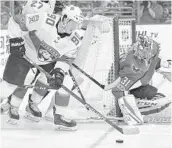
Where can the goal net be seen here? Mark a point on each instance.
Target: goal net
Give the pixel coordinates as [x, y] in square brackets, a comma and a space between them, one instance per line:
[99, 57]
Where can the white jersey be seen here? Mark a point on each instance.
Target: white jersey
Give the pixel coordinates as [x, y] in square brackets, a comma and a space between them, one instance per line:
[31, 7]
[37, 6]
[43, 44]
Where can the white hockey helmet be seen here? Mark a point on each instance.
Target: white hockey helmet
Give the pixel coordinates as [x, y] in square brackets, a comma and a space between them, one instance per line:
[73, 13]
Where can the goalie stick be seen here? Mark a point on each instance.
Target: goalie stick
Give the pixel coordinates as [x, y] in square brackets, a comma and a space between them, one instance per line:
[104, 87]
[126, 131]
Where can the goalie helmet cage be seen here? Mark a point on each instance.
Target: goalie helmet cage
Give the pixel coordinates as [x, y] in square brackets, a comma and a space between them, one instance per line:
[99, 56]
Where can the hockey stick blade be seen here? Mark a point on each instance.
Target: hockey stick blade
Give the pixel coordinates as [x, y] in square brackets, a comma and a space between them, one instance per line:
[130, 131]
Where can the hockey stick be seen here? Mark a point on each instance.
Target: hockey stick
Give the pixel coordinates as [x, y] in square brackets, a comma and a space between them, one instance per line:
[82, 96]
[126, 131]
[36, 87]
[76, 85]
[104, 87]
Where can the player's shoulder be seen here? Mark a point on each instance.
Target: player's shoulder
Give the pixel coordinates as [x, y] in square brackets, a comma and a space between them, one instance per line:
[34, 6]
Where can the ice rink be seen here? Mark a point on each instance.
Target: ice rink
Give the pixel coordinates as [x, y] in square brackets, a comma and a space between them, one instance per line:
[88, 135]
[29, 134]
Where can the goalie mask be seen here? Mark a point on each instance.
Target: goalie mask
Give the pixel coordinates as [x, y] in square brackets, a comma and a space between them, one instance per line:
[145, 48]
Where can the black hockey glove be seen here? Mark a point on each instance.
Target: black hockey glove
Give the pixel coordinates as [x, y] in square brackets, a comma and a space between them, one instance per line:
[57, 78]
[17, 47]
[59, 6]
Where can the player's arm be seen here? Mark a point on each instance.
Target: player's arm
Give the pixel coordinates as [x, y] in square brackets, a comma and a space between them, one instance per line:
[154, 60]
[128, 79]
[68, 45]
[145, 79]
[28, 22]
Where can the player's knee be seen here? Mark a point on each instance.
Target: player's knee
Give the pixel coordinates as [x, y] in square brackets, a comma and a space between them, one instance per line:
[142, 92]
[6, 89]
[62, 99]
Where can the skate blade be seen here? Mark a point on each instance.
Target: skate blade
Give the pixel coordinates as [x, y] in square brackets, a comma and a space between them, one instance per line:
[49, 118]
[31, 117]
[12, 121]
[64, 128]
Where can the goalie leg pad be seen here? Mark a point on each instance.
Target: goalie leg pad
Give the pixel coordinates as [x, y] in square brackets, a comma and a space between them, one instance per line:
[131, 113]
[157, 104]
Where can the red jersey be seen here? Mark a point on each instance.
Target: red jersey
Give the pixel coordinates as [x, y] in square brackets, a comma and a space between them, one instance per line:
[133, 69]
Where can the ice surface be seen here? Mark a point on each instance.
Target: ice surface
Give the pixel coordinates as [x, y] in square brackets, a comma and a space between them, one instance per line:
[89, 135]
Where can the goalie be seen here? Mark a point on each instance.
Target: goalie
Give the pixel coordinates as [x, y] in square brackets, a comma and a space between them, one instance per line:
[136, 70]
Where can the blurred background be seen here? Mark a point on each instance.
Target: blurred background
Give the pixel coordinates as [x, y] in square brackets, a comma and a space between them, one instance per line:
[145, 12]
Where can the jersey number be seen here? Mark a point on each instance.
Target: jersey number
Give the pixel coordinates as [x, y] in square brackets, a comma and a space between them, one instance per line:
[51, 19]
[122, 86]
[37, 4]
[75, 40]
[125, 81]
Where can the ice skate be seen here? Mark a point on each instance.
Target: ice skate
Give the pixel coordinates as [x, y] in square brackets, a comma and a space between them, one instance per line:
[5, 107]
[13, 116]
[62, 123]
[32, 112]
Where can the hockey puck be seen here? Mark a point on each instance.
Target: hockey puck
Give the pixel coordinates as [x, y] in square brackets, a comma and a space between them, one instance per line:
[119, 141]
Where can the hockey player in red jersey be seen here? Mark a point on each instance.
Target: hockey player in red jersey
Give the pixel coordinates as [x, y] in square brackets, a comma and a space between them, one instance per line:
[42, 50]
[136, 70]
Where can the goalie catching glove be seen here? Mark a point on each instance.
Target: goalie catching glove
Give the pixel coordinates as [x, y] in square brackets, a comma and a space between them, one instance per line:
[57, 78]
[17, 47]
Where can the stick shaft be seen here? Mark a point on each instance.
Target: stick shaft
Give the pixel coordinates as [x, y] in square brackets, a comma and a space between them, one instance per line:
[121, 130]
[77, 87]
[91, 78]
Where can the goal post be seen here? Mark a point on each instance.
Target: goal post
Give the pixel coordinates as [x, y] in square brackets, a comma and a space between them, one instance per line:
[99, 56]
[124, 37]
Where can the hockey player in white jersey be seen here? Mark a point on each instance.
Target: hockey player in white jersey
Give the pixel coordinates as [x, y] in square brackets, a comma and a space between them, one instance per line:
[14, 30]
[42, 50]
